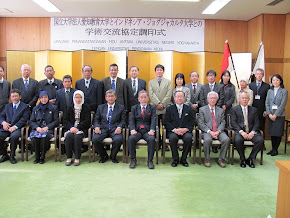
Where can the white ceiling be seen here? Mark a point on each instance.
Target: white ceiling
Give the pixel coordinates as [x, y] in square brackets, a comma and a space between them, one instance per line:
[235, 10]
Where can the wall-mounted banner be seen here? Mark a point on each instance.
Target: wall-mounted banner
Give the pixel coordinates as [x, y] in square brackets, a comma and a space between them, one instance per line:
[114, 34]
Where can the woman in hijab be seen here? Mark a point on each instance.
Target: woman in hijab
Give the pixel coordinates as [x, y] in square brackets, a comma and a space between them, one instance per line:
[244, 87]
[77, 121]
[43, 120]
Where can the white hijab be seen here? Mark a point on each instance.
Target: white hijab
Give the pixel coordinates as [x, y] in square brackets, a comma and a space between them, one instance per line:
[78, 106]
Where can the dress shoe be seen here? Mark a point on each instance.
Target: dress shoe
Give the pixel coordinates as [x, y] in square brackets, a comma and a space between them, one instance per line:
[68, 163]
[76, 162]
[107, 147]
[270, 152]
[274, 153]
[13, 160]
[84, 149]
[103, 160]
[174, 163]
[243, 164]
[150, 165]
[4, 158]
[221, 163]
[250, 162]
[167, 148]
[19, 151]
[36, 161]
[114, 160]
[207, 163]
[41, 161]
[214, 150]
[133, 163]
[184, 163]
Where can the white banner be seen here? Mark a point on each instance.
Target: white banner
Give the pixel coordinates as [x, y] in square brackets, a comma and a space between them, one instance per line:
[115, 34]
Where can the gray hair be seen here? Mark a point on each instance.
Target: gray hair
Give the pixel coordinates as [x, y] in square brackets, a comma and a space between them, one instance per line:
[25, 65]
[242, 92]
[179, 91]
[110, 91]
[194, 72]
[213, 93]
[141, 92]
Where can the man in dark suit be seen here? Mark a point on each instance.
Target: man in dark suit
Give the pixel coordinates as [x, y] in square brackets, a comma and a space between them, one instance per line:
[27, 86]
[211, 121]
[245, 122]
[13, 118]
[211, 86]
[50, 84]
[109, 120]
[4, 90]
[134, 86]
[117, 84]
[179, 122]
[64, 96]
[142, 124]
[260, 90]
[92, 88]
[194, 88]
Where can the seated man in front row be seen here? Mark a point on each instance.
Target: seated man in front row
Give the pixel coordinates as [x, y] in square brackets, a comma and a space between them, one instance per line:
[142, 124]
[13, 118]
[211, 121]
[179, 122]
[245, 122]
[109, 120]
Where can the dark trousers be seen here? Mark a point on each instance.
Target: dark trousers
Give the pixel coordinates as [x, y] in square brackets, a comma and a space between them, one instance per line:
[258, 145]
[116, 144]
[159, 124]
[40, 145]
[14, 140]
[187, 140]
[73, 143]
[262, 120]
[276, 140]
[133, 139]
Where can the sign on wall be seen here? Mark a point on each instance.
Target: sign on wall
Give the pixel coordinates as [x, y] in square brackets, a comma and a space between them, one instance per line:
[115, 34]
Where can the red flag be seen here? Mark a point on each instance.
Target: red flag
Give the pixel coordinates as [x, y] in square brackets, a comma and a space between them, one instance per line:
[227, 54]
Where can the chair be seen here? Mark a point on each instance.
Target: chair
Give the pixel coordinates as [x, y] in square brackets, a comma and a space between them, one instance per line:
[53, 140]
[142, 142]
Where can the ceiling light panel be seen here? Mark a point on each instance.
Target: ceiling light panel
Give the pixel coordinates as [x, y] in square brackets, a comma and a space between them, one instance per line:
[47, 5]
[215, 6]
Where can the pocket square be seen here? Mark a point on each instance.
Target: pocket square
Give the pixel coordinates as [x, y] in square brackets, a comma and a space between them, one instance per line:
[149, 114]
[186, 114]
[50, 112]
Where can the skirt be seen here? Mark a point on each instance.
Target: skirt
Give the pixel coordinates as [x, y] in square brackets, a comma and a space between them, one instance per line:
[276, 128]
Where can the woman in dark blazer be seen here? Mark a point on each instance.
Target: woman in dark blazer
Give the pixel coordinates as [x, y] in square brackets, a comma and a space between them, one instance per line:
[43, 120]
[77, 121]
[276, 101]
[230, 93]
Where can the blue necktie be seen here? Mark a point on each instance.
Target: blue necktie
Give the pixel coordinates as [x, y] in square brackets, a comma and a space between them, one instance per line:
[110, 117]
[26, 84]
[14, 110]
[113, 85]
[50, 82]
[87, 84]
[159, 81]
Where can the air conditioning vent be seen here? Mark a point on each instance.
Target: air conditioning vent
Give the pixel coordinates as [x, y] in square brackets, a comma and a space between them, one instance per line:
[274, 2]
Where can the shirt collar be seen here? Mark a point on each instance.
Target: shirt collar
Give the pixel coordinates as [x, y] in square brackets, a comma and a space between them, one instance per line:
[134, 79]
[111, 105]
[212, 83]
[143, 106]
[16, 104]
[88, 80]
[113, 79]
[194, 84]
[66, 89]
[211, 107]
[179, 106]
[52, 80]
[25, 79]
[2, 80]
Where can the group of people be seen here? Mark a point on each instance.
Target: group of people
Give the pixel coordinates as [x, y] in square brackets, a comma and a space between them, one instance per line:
[117, 102]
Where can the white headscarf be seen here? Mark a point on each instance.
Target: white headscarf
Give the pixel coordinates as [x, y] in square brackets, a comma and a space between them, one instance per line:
[245, 79]
[78, 106]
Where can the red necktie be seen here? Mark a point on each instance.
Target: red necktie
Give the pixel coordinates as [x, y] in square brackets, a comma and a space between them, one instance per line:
[143, 115]
[194, 89]
[214, 126]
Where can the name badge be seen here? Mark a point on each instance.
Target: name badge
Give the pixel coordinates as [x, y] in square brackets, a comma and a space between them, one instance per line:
[274, 107]
[257, 97]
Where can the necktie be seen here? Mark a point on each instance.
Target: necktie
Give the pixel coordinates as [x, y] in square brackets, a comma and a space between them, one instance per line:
[214, 125]
[113, 85]
[110, 117]
[87, 84]
[134, 87]
[50, 82]
[194, 89]
[258, 87]
[143, 115]
[211, 87]
[67, 98]
[159, 81]
[14, 110]
[26, 84]
[179, 112]
[246, 120]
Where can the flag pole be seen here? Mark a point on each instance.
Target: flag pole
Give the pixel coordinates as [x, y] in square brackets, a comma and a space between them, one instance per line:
[233, 64]
[261, 43]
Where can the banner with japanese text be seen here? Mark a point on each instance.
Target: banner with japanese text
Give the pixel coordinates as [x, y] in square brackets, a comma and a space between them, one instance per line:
[115, 34]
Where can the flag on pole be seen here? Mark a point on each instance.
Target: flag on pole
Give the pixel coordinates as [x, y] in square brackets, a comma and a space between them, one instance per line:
[260, 60]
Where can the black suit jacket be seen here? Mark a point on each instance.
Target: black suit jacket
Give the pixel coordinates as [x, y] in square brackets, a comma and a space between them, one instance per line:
[93, 94]
[121, 90]
[173, 121]
[4, 94]
[20, 117]
[61, 101]
[133, 99]
[29, 96]
[237, 119]
[205, 89]
[85, 119]
[118, 117]
[51, 89]
[136, 119]
[263, 90]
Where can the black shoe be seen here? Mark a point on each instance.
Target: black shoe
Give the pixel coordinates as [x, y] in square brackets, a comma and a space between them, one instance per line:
[4, 158]
[103, 160]
[270, 152]
[19, 151]
[250, 162]
[150, 165]
[184, 163]
[114, 160]
[84, 150]
[264, 148]
[167, 148]
[36, 161]
[214, 150]
[107, 147]
[174, 163]
[41, 161]
[133, 163]
[13, 160]
[243, 164]
[274, 153]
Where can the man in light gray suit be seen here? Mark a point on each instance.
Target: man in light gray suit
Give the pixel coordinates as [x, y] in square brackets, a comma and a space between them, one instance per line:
[4, 90]
[194, 88]
[211, 122]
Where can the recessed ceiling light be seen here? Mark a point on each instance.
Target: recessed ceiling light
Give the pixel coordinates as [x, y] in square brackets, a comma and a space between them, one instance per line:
[215, 6]
[47, 5]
